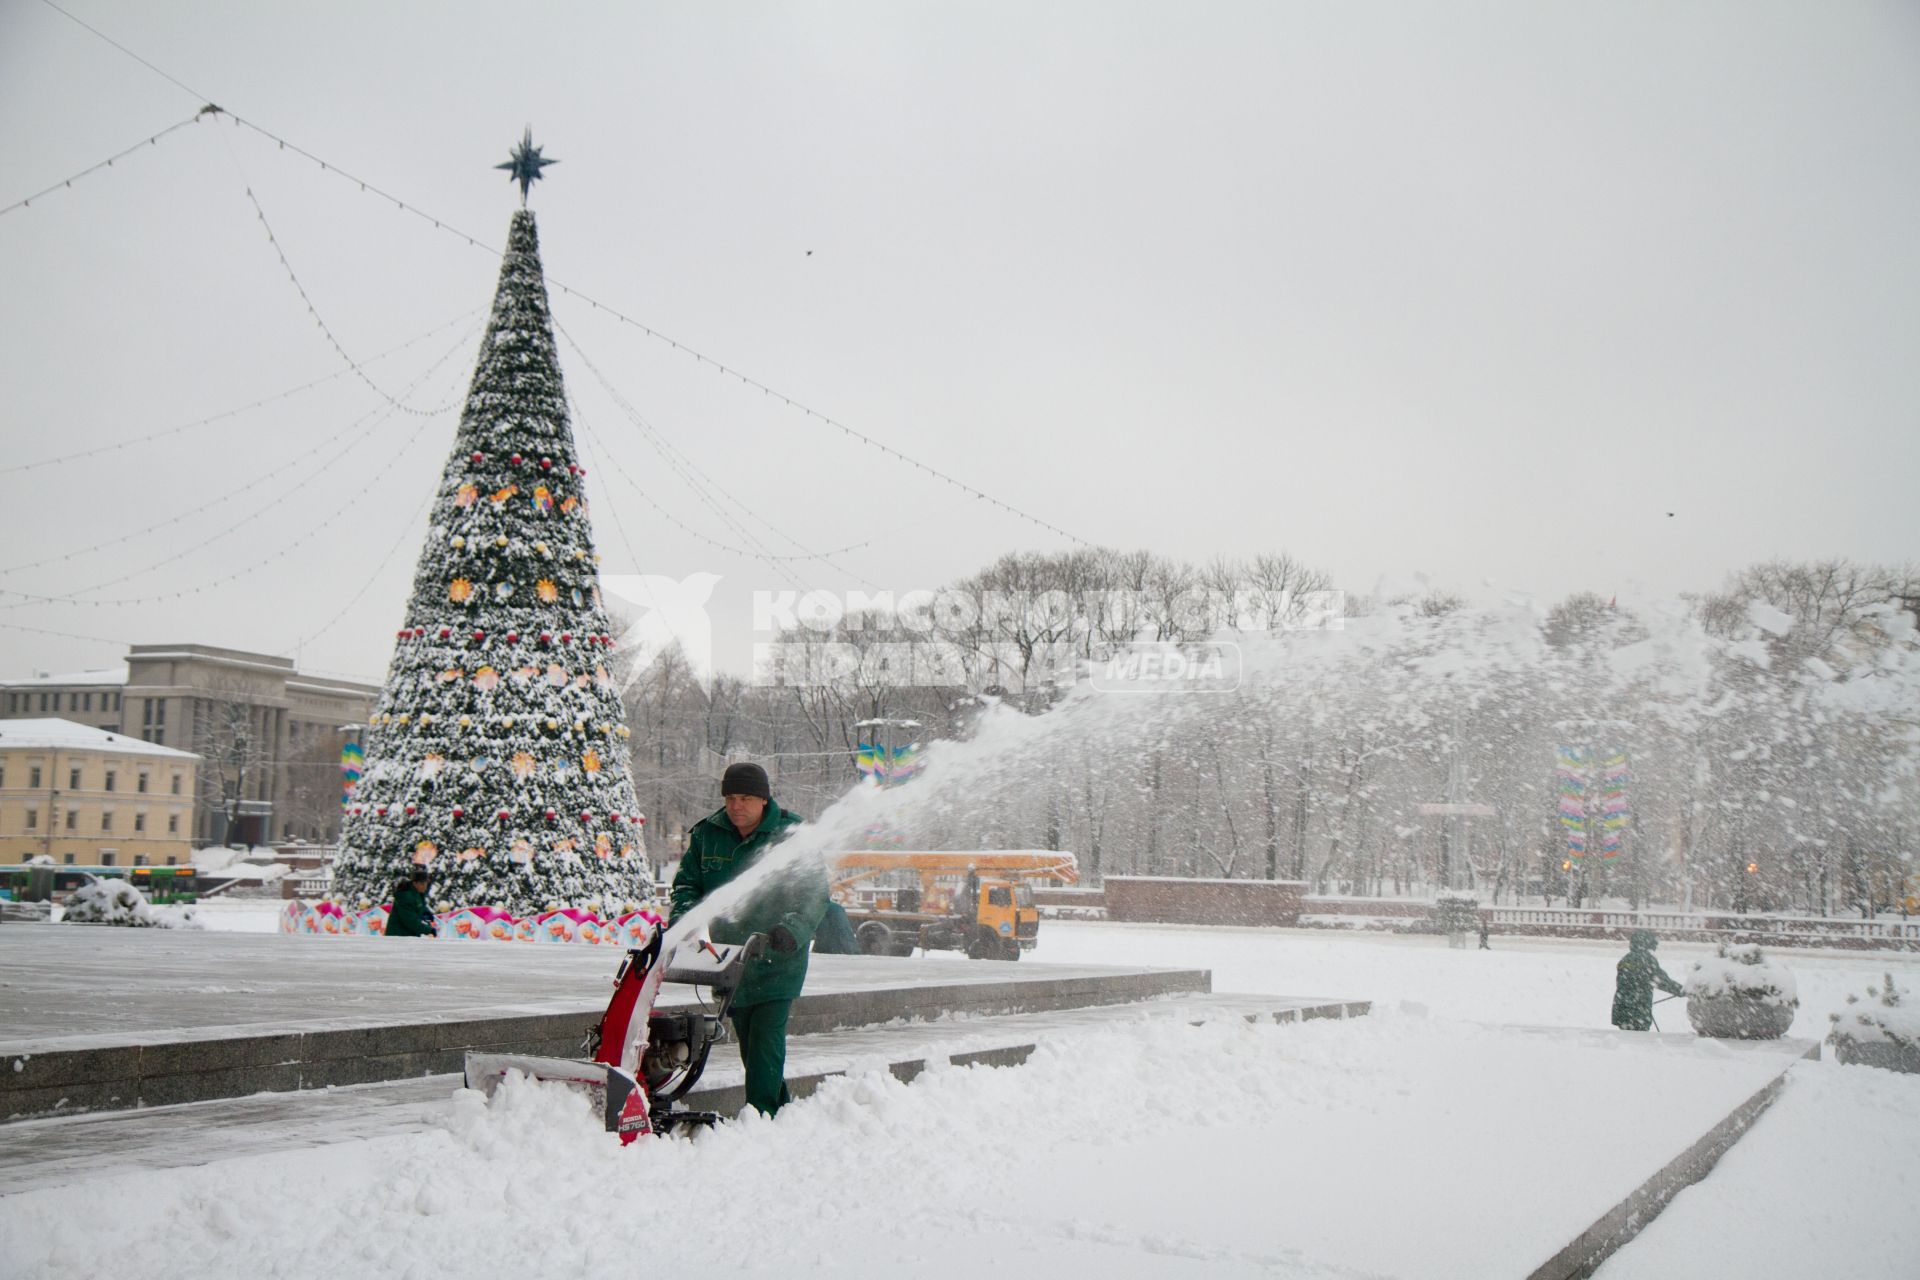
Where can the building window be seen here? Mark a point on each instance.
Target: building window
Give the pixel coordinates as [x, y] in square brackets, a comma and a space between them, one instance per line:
[139, 822]
[153, 723]
[69, 859]
[109, 779]
[173, 826]
[106, 857]
[171, 861]
[73, 778]
[33, 776]
[106, 820]
[176, 784]
[141, 785]
[33, 819]
[43, 702]
[86, 702]
[73, 819]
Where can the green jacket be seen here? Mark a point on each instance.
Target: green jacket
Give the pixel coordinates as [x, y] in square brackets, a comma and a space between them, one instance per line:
[796, 898]
[1634, 979]
[410, 917]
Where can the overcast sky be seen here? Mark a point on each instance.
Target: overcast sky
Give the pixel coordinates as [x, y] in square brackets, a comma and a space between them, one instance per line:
[1480, 292]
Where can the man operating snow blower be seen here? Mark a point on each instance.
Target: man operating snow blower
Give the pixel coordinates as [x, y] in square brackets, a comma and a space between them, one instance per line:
[787, 909]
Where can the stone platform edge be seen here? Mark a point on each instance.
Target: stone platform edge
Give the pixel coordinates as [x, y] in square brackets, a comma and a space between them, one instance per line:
[118, 1077]
[1617, 1226]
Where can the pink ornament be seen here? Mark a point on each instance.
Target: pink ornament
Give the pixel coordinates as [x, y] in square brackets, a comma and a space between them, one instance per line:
[458, 812]
[515, 459]
[566, 637]
[546, 637]
[503, 815]
[479, 457]
[546, 464]
[445, 632]
[513, 637]
[409, 811]
[586, 817]
[381, 812]
[551, 815]
[478, 636]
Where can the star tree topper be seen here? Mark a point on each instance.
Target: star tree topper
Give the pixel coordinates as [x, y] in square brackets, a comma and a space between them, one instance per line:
[524, 164]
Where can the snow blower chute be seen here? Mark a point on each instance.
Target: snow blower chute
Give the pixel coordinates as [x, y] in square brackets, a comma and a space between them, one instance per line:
[637, 1079]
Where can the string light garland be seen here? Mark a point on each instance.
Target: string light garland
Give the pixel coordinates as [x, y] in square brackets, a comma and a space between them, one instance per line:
[612, 461]
[327, 329]
[342, 610]
[263, 402]
[367, 422]
[327, 523]
[91, 169]
[698, 356]
[680, 462]
[64, 635]
[761, 551]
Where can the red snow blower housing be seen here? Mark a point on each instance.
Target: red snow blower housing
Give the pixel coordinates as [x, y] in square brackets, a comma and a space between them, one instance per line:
[636, 1080]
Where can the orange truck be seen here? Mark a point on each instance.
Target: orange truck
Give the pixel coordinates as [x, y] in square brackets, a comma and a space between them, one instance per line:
[976, 900]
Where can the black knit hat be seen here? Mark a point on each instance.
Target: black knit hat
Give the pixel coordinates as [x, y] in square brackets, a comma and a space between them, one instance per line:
[746, 780]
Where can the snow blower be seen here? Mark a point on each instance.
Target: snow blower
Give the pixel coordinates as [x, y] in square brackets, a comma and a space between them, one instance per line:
[637, 1080]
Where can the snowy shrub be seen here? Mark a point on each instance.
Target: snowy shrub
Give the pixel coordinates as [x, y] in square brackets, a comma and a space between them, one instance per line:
[117, 902]
[1740, 995]
[1457, 915]
[1885, 1033]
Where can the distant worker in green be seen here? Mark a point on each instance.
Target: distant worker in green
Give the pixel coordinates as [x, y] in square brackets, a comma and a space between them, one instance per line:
[1635, 977]
[410, 916]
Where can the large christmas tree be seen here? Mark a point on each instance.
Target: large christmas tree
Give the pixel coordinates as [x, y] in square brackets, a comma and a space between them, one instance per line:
[496, 754]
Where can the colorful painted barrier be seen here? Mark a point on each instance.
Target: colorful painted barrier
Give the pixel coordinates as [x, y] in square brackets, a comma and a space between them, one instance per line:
[574, 925]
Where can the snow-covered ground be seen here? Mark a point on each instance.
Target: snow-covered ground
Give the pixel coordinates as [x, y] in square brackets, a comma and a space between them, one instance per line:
[1436, 1137]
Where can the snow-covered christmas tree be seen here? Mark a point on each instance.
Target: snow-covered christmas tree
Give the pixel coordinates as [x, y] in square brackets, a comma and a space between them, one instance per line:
[497, 755]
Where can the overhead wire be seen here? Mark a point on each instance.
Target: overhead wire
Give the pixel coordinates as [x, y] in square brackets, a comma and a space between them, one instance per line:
[698, 480]
[327, 329]
[256, 566]
[341, 451]
[261, 403]
[698, 356]
[64, 183]
[372, 418]
[379, 568]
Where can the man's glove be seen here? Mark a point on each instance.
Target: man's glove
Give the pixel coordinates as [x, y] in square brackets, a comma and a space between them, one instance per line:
[781, 939]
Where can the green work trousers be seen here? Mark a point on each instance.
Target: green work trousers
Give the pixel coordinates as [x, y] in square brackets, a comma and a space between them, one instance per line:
[761, 1030]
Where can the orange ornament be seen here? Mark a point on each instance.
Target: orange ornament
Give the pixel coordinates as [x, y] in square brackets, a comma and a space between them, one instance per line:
[459, 591]
[590, 761]
[546, 590]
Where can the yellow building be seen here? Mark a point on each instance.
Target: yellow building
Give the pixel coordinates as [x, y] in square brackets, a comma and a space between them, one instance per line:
[88, 797]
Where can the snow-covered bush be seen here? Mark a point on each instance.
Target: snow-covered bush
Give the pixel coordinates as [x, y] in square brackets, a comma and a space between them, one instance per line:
[1885, 1033]
[1740, 995]
[117, 902]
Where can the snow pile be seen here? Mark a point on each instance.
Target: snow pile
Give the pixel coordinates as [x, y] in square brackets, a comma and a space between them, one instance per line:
[1153, 1150]
[1740, 969]
[1885, 1033]
[117, 902]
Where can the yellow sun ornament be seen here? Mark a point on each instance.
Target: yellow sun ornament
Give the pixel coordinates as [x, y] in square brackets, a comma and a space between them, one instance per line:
[590, 761]
[466, 495]
[523, 765]
[546, 590]
[459, 591]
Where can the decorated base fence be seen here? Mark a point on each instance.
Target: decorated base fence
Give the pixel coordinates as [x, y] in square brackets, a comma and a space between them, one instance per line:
[631, 928]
